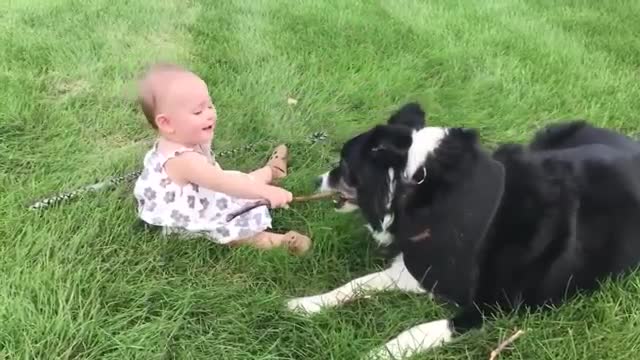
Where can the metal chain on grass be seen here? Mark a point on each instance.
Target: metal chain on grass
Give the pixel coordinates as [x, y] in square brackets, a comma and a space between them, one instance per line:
[59, 198]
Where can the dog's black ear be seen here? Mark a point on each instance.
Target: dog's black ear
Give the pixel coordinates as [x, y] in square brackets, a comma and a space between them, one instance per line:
[458, 222]
[410, 115]
[390, 143]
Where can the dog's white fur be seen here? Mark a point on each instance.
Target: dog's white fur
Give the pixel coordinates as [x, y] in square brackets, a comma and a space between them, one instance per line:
[384, 237]
[324, 187]
[414, 340]
[423, 142]
[324, 184]
[396, 277]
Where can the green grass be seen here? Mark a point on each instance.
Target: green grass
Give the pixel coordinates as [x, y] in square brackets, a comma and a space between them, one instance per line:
[82, 281]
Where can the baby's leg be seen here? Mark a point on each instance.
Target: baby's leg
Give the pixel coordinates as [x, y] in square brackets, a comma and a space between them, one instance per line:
[276, 167]
[296, 242]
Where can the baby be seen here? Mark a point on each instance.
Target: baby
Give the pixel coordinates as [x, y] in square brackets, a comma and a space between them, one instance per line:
[183, 190]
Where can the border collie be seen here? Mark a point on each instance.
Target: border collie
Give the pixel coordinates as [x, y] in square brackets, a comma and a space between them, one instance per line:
[523, 226]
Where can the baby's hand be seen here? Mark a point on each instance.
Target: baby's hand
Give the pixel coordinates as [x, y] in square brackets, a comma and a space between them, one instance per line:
[278, 197]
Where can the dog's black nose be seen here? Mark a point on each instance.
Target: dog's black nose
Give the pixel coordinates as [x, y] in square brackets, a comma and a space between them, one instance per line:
[318, 182]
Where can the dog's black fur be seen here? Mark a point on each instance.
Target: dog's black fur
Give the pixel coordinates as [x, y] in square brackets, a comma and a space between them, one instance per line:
[522, 226]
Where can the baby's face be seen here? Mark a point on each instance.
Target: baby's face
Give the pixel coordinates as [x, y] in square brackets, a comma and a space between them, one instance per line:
[191, 113]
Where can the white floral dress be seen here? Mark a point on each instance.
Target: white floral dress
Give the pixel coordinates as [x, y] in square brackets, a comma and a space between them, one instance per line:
[190, 209]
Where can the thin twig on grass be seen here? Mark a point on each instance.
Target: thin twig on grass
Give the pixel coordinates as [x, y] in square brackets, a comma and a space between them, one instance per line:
[504, 344]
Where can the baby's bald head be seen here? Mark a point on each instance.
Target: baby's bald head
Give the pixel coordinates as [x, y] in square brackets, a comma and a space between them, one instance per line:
[158, 86]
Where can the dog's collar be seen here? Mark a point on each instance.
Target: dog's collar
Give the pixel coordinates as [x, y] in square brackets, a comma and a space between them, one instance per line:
[411, 180]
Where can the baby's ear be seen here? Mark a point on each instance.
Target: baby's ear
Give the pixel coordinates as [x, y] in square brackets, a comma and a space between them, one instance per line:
[163, 123]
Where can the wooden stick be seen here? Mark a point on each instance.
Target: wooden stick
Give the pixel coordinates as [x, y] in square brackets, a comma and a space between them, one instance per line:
[504, 344]
[263, 202]
[318, 196]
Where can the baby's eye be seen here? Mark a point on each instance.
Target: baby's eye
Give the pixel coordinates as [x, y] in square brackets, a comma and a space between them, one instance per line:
[198, 112]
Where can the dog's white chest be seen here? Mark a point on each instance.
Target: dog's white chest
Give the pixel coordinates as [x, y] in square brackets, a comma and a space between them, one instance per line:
[382, 237]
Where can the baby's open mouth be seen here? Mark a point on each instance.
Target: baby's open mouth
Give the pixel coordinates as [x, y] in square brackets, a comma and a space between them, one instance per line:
[207, 128]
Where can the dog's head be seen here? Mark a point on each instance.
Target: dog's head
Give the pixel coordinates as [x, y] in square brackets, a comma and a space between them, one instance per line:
[443, 169]
[366, 159]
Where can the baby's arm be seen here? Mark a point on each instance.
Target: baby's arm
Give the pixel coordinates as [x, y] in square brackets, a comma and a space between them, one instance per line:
[205, 149]
[193, 167]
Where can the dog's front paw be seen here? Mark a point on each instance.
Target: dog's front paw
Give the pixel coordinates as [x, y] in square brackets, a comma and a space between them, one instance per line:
[305, 305]
[415, 340]
[393, 350]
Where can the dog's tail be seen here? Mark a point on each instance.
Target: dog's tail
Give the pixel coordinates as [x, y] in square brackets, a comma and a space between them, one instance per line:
[578, 133]
[557, 136]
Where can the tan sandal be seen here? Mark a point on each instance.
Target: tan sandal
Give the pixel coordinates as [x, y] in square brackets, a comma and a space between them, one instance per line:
[278, 162]
[297, 243]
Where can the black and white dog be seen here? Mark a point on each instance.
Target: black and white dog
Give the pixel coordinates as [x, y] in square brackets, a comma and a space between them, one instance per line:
[522, 226]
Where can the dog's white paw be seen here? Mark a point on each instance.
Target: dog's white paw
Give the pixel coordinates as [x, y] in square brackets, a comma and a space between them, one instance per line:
[415, 340]
[305, 305]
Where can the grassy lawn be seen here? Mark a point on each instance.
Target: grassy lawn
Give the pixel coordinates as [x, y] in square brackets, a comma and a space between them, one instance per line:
[83, 281]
